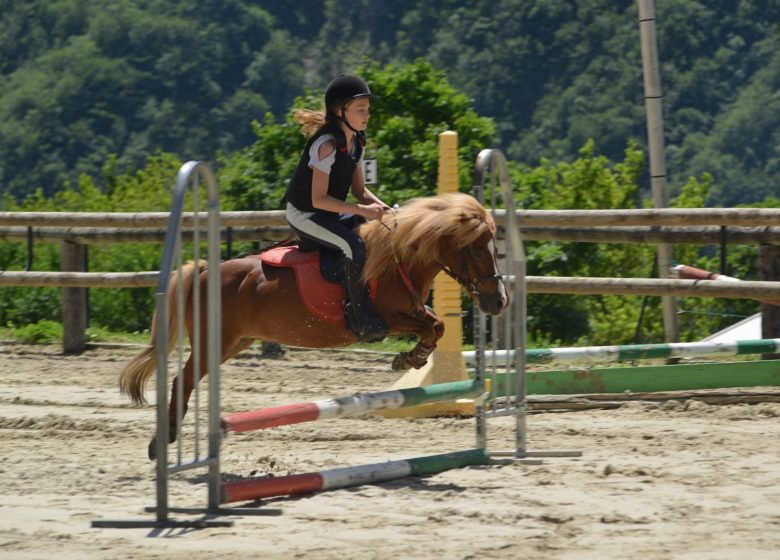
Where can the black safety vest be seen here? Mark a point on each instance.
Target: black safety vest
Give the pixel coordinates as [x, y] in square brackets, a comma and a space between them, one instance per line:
[340, 180]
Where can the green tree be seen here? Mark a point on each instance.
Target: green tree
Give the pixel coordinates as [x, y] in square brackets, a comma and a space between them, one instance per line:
[80, 80]
[149, 189]
[125, 78]
[590, 182]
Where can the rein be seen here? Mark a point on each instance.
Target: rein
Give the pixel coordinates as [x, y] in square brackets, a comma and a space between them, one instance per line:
[419, 306]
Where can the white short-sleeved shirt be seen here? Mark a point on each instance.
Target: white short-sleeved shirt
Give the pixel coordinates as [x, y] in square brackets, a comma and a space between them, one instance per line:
[325, 164]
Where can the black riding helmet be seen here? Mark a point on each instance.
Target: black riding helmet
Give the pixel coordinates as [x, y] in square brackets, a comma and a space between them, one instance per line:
[341, 91]
[344, 89]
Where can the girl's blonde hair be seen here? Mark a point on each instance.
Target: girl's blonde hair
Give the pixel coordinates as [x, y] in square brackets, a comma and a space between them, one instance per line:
[310, 121]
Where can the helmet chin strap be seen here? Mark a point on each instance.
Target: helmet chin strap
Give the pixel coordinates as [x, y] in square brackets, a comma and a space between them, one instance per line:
[343, 118]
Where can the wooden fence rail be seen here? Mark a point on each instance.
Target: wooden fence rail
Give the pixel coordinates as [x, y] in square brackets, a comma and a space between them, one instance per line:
[702, 235]
[739, 217]
[138, 219]
[535, 284]
[697, 235]
[105, 236]
[146, 279]
[668, 225]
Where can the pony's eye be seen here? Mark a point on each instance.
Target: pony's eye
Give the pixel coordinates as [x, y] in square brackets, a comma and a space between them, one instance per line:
[478, 253]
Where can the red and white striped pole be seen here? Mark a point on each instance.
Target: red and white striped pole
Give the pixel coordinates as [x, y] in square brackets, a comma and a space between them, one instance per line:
[686, 272]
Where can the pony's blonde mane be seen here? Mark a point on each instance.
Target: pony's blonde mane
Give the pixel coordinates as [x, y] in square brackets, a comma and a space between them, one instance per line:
[413, 236]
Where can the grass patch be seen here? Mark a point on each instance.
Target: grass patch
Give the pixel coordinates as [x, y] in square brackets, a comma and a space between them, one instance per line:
[42, 332]
[50, 332]
[390, 344]
[101, 334]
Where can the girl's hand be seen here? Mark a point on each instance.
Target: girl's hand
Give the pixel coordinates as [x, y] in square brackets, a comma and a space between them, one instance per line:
[372, 211]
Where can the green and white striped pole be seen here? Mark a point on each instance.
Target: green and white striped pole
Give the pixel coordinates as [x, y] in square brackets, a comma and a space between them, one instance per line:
[629, 352]
[345, 407]
[255, 489]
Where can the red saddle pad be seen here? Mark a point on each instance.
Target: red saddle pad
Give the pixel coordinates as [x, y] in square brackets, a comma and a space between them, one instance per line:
[323, 299]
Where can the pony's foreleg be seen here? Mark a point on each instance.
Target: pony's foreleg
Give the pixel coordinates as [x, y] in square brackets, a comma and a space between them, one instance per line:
[428, 327]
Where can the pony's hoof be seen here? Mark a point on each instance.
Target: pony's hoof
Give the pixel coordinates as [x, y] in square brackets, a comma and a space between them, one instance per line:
[152, 450]
[271, 350]
[401, 361]
[405, 360]
[415, 363]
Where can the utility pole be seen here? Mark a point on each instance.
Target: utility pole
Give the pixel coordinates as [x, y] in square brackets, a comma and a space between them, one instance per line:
[655, 141]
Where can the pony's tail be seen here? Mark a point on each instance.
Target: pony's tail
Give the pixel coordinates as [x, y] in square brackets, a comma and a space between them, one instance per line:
[136, 374]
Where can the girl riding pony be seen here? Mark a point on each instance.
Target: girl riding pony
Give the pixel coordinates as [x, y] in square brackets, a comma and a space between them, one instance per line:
[317, 208]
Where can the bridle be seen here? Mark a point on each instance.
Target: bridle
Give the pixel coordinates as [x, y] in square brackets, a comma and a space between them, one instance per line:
[469, 283]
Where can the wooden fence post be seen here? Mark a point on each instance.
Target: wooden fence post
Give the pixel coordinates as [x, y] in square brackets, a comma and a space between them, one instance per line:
[769, 270]
[73, 258]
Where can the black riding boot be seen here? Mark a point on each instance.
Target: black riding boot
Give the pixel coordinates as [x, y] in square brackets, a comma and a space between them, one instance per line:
[362, 319]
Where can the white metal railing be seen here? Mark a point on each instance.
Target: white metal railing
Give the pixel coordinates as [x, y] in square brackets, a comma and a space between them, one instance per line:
[504, 374]
[190, 174]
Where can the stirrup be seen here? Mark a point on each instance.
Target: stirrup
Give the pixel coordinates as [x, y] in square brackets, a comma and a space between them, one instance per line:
[372, 328]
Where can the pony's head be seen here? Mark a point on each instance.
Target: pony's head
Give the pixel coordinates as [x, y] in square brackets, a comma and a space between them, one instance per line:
[452, 231]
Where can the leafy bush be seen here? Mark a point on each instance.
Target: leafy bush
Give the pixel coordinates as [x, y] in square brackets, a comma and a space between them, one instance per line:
[148, 189]
[42, 332]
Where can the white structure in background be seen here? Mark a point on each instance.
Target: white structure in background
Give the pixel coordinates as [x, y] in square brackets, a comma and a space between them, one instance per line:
[746, 329]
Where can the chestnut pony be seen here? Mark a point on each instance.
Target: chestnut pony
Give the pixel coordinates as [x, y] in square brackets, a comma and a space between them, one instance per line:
[451, 233]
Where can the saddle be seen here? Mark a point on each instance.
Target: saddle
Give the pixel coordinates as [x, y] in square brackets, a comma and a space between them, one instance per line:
[319, 276]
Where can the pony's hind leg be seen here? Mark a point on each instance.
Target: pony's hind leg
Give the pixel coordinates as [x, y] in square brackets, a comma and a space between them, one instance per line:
[174, 414]
[230, 349]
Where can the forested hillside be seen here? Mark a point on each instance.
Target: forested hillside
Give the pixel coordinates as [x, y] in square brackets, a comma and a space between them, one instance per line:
[81, 80]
